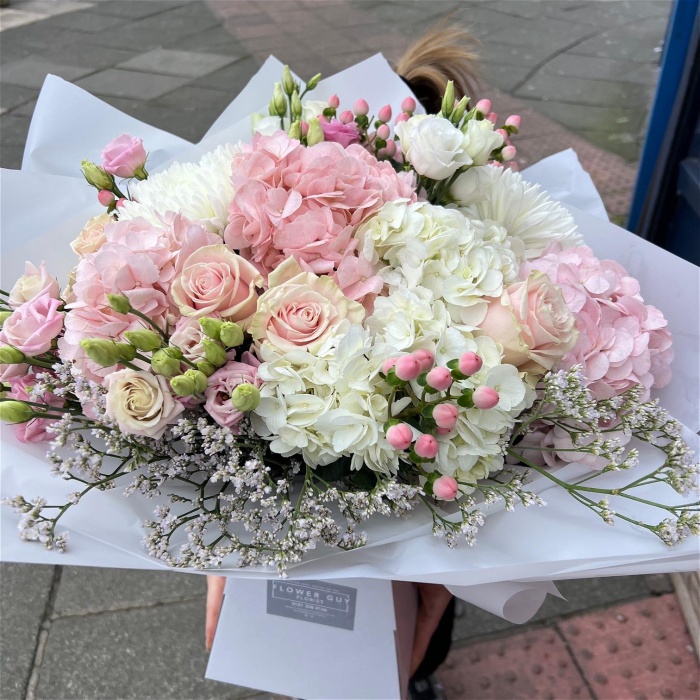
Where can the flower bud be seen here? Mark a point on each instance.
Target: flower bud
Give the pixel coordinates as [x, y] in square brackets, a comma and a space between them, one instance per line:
[513, 122]
[127, 352]
[206, 368]
[105, 197]
[503, 133]
[388, 364]
[399, 436]
[448, 100]
[408, 105]
[439, 378]
[295, 130]
[469, 363]
[445, 415]
[492, 117]
[445, 488]
[211, 327]
[315, 134]
[279, 100]
[271, 109]
[402, 117]
[15, 412]
[483, 106]
[384, 114]
[173, 352]
[297, 109]
[214, 352]
[313, 82]
[231, 334]
[304, 128]
[96, 176]
[245, 397]
[346, 117]
[287, 81]
[383, 132]
[426, 447]
[182, 385]
[360, 108]
[425, 358]
[10, 355]
[143, 339]
[4, 315]
[390, 149]
[459, 110]
[120, 202]
[484, 397]
[105, 353]
[508, 153]
[334, 102]
[162, 363]
[119, 303]
[199, 379]
[407, 367]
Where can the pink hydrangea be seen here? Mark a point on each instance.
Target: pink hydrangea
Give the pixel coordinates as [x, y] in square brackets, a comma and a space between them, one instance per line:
[305, 203]
[34, 430]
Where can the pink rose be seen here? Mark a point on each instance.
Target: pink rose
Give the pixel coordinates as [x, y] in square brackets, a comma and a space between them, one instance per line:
[532, 323]
[344, 134]
[31, 284]
[92, 237]
[34, 430]
[300, 311]
[188, 336]
[124, 157]
[221, 386]
[33, 326]
[214, 280]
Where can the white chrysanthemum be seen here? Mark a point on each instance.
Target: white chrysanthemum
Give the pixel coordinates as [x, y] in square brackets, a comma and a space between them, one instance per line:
[200, 191]
[492, 193]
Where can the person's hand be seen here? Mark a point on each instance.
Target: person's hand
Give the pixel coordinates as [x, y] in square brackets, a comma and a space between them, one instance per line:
[433, 602]
[215, 596]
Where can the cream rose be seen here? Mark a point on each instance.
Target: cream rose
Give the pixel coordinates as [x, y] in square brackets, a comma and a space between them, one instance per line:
[140, 402]
[216, 281]
[33, 283]
[91, 238]
[533, 324]
[300, 310]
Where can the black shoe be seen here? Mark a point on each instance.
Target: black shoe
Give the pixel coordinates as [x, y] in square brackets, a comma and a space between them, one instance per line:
[428, 688]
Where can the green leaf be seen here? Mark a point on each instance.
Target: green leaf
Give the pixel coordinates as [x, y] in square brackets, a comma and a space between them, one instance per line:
[335, 471]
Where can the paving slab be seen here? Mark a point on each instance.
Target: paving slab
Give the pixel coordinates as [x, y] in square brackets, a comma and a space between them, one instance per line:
[24, 592]
[14, 130]
[186, 64]
[12, 96]
[53, 7]
[89, 22]
[605, 69]
[11, 18]
[124, 83]
[135, 10]
[142, 653]
[31, 72]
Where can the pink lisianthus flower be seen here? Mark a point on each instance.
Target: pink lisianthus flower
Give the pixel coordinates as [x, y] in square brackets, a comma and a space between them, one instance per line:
[33, 325]
[34, 430]
[221, 385]
[124, 157]
[344, 134]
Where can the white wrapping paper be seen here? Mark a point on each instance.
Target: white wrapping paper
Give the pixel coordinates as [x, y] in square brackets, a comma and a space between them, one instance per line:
[518, 554]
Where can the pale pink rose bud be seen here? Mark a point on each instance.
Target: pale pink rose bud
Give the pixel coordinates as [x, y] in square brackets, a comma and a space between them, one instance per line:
[346, 117]
[383, 132]
[485, 397]
[388, 364]
[390, 148]
[445, 488]
[443, 431]
[502, 132]
[439, 378]
[409, 105]
[322, 119]
[484, 106]
[105, 197]
[470, 363]
[399, 436]
[120, 202]
[407, 367]
[508, 153]
[361, 108]
[426, 447]
[304, 128]
[513, 120]
[124, 157]
[402, 117]
[384, 113]
[425, 358]
[445, 415]
[334, 101]
[492, 117]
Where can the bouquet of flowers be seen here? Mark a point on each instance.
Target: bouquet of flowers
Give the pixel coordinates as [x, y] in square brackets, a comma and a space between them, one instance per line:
[349, 316]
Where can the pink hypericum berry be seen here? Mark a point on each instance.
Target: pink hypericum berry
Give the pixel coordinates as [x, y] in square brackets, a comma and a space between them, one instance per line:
[484, 106]
[383, 132]
[470, 363]
[105, 197]
[409, 105]
[384, 113]
[443, 431]
[407, 367]
[334, 101]
[120, 203]
[426, 359]
[399, 436]
[502, 132]
[513, 120]
[346, 117]
[485, 397]
[304, 128]
[508, 153]
[322, 119]
[402, 117]
[388, 364]
[445, 488]
[390, 148]
[492, 117]
[445, 415]
[361, 108]
[439, 378]
[426, 447]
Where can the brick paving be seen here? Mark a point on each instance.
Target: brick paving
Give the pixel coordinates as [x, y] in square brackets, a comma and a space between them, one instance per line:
[580, 72]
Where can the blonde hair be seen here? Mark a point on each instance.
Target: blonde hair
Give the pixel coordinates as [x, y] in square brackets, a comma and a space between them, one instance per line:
[445, 52]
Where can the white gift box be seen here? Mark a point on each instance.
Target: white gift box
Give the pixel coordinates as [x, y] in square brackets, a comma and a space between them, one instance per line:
[345, 638]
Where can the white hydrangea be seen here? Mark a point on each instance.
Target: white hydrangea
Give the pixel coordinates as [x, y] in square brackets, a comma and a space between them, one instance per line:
[200, 191]
[500, 195]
